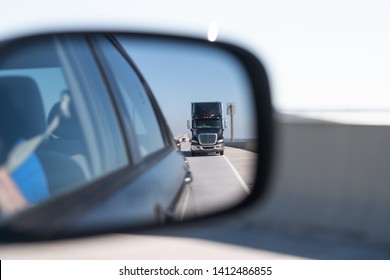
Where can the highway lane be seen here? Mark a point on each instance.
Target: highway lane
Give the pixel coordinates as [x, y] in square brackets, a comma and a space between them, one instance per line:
[219, 182]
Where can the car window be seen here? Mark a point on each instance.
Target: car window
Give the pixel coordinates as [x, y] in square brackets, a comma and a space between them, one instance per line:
[58, 128]
[140, 112]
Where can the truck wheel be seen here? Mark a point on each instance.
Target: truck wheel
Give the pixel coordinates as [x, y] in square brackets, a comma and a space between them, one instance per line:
[221, 153]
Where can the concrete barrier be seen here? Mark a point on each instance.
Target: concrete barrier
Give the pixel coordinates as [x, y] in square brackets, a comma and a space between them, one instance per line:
[249, 145]
[330, 179]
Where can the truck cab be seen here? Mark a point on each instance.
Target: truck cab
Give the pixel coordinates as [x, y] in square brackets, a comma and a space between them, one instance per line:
[207, 127]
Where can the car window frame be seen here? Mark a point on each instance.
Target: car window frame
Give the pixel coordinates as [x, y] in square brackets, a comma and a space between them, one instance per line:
[166, 133]
[72, 67]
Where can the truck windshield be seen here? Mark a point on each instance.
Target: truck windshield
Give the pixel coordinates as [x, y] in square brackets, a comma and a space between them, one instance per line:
[207, 123]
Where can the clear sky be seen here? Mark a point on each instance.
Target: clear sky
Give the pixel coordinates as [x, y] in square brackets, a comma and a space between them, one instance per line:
[181, 73]
[332, 54]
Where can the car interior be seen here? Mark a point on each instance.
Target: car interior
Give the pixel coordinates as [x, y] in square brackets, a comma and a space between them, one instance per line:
[24, 117]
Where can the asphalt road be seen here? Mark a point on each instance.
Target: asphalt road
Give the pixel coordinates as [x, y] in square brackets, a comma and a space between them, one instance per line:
[219, 182]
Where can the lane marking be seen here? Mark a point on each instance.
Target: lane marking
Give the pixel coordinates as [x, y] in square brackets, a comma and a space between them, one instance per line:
[242, 182]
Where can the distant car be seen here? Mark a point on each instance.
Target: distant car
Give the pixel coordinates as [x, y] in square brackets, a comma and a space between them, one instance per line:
[178, 144]
[90, 125]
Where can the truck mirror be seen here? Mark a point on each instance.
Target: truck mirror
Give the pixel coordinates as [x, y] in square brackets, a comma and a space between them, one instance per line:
[188, 124]
[224, 123]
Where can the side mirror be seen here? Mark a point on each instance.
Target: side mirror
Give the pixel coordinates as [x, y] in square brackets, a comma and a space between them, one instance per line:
[105, 159]
[224, 123]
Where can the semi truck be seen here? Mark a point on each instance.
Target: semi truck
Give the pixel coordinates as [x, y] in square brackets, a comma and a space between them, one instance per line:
[207, 126]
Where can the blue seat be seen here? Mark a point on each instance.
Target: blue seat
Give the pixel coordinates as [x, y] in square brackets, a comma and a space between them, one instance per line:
[21, 112]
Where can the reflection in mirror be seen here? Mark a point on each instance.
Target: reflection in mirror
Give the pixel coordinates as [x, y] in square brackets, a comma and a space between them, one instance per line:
[205, 97]
[87, 125]
[49, 143]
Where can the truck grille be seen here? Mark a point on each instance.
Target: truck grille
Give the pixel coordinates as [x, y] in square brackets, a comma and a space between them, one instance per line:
[208, 138]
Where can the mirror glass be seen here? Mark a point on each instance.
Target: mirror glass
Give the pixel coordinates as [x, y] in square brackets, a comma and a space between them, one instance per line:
[99, 130]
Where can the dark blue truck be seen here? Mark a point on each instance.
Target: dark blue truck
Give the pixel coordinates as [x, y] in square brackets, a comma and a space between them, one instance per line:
[207, 126]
